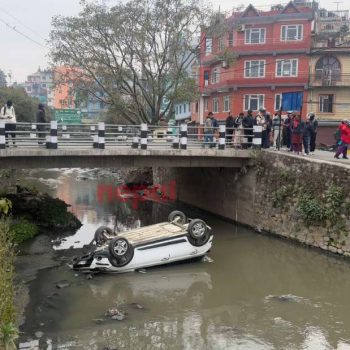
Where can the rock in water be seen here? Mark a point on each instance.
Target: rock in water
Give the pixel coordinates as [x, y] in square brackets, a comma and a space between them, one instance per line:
[62, 285]
[137, 306]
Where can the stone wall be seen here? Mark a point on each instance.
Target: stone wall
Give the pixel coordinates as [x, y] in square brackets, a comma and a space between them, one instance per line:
[295, 197]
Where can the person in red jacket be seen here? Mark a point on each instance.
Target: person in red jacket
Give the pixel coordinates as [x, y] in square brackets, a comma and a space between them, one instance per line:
[344, 142]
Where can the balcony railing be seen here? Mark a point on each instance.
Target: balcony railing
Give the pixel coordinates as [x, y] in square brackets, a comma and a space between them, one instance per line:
[317, 80]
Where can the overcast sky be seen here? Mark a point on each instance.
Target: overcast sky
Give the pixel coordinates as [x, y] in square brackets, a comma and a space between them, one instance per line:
[22, 56]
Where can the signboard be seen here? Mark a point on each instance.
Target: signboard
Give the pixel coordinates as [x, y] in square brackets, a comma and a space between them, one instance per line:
[68, 116]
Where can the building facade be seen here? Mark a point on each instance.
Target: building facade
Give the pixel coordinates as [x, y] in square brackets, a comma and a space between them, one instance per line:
[40, 85]
[262, 55]
[329, 84]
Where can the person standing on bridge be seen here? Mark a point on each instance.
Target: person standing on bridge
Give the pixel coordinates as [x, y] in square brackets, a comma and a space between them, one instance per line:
[297, 127]
[229, 129]
[41, 119]
[248, 124]
[208, 130]
[8, 114]
[344, 141]
[314, 126]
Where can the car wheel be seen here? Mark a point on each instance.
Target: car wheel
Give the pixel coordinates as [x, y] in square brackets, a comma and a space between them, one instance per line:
[179, 216]
[121, 251]
[198, 233]
[100, 234]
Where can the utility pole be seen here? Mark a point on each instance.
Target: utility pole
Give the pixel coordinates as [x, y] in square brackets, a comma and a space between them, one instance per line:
[337, 2]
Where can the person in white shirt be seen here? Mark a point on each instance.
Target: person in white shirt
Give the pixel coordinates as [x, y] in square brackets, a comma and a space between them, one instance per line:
[8, 115]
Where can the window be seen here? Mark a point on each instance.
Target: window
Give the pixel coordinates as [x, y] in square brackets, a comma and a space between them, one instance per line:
[287, 68]
[292, 32]
[326, 103]
[255, 36]
[176, 110]
[215, 105]
[185, 108]
[43, 85]
[328, 68]
[208, 46]
[230, 39]
[254, 69]
[180, 109]
[215, 76]
[206, 104]
[221, 44]
[278, 101]
[253, 102]
[227, 105]
[206, 78]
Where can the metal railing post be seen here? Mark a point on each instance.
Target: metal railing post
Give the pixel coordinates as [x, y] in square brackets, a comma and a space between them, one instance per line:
[65, 134]
[222, 136]
[144, 135]
[257, 139]
[101, 135]
[135, 142]
[2, 135]
[33, 133]
[183, 136]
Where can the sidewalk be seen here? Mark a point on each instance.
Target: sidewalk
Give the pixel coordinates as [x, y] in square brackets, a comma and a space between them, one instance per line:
[318, 156]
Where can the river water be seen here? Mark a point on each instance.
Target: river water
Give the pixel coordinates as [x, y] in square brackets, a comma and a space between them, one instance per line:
[254, 291]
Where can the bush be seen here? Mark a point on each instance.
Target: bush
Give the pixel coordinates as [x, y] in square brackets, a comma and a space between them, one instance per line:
[7, 292]
[22, 229]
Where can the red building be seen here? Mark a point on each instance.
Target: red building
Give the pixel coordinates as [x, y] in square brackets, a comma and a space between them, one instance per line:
[262, 55]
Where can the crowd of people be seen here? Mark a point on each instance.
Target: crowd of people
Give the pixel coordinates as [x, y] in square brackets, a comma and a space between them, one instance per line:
[282, 130]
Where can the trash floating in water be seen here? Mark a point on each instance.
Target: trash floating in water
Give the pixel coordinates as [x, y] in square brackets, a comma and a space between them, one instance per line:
[137, 306]
[115, 314]
[208, 259]
[280, 322]
[142, 271]
[286, 298]
[61, 285]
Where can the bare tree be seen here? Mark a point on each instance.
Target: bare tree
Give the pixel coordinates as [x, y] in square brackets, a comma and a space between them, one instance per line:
[133, 55]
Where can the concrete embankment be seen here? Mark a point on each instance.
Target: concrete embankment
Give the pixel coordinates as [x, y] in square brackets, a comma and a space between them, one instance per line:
[300, 198]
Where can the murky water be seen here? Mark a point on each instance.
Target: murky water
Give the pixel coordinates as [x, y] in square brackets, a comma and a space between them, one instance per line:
[256, 292]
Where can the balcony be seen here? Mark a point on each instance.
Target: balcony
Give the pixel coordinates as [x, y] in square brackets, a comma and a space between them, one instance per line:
[317, 80]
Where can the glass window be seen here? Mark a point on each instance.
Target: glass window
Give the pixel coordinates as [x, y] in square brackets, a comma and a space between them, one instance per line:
[254, 69]
[215, 76]
[221, 44]
[287, 68]
[208, 46]
[185, 108]
[292, 32]
[230, 39]
[253, 102]
[206, 104]
[215, 105]
[278, 101]
[326, 103]
[255, 36]
[227, 107]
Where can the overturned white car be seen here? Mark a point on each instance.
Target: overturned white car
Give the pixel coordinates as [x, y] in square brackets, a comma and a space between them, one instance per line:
[167, 242]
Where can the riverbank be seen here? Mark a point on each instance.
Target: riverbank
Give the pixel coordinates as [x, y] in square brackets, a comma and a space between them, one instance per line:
[299, 198]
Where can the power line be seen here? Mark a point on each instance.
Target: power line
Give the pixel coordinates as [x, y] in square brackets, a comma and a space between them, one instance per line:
[23, 24]
[20, 33]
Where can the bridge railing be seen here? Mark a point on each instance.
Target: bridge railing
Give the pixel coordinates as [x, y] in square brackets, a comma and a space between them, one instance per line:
[52, 136]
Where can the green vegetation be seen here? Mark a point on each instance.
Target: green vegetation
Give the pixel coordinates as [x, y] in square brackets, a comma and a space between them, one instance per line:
[22, 230]
[8, 333]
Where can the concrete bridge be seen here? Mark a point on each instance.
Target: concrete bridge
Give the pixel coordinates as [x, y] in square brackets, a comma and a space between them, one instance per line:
[21, 158]
[51, 145]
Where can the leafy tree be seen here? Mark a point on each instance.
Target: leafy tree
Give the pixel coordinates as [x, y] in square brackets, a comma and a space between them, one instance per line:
[3, 82]
[25, 106]
[137, 53]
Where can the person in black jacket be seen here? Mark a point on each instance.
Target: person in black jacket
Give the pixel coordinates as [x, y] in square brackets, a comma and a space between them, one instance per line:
[41, 118]
[229, 129]
[248, 123]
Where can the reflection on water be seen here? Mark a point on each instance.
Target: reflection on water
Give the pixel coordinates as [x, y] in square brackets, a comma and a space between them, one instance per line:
[258, 293]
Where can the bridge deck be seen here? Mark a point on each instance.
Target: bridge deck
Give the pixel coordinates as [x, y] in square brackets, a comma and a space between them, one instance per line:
[122, 157]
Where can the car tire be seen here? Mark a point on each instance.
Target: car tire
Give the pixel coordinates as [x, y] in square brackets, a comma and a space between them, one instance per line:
[177, 214]
[121, 251]
[99, 234]
[198, 232]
